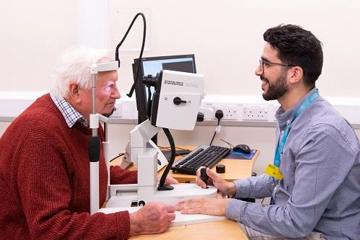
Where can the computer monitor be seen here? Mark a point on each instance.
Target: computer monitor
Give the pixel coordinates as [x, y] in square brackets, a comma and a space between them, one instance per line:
[153, 66]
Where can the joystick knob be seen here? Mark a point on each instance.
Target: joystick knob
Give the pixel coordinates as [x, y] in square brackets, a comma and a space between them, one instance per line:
[203, 176]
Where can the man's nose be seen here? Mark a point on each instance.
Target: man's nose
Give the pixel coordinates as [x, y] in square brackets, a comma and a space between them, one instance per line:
[116, 93]
[258, 71]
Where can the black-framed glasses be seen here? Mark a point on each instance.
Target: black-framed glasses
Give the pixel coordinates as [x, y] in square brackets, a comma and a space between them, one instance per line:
[266, 64]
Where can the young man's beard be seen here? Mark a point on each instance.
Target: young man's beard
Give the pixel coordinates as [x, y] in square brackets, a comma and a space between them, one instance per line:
[276, 89]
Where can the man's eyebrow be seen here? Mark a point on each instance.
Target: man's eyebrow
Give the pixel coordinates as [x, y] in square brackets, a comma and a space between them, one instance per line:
[265, 59]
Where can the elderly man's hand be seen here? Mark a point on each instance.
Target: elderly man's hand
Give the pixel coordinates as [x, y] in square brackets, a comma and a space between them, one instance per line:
[152, 218]
[210, 206]
[170, 180]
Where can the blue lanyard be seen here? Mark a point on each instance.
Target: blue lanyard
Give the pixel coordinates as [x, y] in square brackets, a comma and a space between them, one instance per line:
[281, 144]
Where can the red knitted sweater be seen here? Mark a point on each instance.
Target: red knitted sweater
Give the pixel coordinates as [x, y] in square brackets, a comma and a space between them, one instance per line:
[44, 180]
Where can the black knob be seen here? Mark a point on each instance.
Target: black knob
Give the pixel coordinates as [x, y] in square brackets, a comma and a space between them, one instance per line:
[200, 117]
[178, 101]
[220, 168]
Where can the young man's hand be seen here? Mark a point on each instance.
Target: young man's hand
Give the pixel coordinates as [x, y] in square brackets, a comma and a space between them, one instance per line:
[210, 206]
[225, 187]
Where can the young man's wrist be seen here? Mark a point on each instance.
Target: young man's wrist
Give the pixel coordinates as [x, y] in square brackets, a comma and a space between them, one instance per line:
[231, 189]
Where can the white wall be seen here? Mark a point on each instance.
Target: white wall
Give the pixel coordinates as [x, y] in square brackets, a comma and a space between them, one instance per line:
[225, 36]
[32, 34]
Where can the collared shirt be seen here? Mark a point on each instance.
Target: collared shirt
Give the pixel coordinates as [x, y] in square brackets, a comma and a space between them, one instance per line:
[320, 190]
[69, 113]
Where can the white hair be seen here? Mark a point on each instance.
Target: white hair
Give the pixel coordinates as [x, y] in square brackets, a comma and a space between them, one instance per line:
[74, 67]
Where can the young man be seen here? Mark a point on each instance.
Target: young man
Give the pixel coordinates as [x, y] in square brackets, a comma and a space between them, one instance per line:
[44, 165]
[314, 182]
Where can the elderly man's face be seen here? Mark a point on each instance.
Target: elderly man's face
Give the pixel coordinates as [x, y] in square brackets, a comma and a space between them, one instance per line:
[106, 94]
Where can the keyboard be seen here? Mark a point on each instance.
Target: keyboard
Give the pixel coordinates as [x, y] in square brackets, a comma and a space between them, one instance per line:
[204, 155]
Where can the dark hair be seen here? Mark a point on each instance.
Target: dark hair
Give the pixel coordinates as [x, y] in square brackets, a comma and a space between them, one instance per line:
[297, 46]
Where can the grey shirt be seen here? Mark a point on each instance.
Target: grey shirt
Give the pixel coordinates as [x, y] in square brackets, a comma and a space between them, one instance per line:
[320, 190]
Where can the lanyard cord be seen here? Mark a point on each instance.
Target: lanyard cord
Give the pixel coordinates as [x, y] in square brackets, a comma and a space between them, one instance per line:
[281, 143]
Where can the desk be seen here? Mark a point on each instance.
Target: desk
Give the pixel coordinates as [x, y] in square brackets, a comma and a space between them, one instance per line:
[226, 229]
[235, 168]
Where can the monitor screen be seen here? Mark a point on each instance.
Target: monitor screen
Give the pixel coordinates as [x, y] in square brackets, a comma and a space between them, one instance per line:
[153, 65]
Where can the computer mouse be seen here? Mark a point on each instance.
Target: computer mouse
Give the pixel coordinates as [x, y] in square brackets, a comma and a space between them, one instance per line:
[242, 148]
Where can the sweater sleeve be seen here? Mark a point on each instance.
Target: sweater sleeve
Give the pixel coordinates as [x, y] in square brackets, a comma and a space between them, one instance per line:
[46, 196]
[122, 176]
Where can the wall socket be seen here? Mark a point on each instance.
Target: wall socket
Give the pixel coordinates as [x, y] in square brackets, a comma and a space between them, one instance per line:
[237, 112]
[255, 113]
[230, 112]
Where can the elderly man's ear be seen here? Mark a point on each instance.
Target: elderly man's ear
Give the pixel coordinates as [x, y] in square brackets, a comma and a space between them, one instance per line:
[74, 93]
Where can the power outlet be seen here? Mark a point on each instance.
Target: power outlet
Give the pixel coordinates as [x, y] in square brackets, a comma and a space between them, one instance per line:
[230, 112]
[255, 113]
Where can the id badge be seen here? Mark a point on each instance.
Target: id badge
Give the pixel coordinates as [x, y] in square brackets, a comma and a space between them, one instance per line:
[274, 172]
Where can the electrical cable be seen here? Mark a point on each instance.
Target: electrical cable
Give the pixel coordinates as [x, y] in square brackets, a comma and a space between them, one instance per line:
[230, 145]
[141, 51]
[162, 186]
[176, 148]
[219, 115]
[116, 157]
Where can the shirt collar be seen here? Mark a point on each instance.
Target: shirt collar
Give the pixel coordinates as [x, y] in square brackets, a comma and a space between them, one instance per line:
[69, 113]
[284, 117]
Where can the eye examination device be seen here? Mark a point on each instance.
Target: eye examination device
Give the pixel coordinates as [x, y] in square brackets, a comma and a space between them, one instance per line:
[175, 105]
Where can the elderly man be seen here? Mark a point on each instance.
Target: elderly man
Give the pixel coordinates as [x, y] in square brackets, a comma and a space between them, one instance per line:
[44, 166]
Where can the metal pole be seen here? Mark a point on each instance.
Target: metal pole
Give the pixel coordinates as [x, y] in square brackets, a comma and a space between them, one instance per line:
[94, 152]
